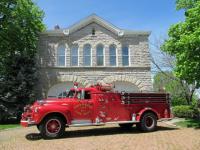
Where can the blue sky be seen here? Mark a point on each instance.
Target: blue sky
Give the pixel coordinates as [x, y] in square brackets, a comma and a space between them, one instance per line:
[150, 15]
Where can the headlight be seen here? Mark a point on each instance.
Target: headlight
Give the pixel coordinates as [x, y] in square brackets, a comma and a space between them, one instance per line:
[41, 102]
[36, 109]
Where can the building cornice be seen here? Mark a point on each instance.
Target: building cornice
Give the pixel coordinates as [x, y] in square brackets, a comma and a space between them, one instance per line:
[98, 20]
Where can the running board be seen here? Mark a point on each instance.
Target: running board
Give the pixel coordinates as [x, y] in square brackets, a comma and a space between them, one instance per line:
[99, 124]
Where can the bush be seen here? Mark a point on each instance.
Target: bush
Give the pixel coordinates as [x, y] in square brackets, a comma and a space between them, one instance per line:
[183, 111]
[196, 108]
[176, 101]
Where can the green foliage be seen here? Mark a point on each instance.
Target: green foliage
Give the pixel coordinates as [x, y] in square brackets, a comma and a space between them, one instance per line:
[183, 111]
[171, 86]
[185, 4]
[20, 25]
[196, 108]
[183, 43]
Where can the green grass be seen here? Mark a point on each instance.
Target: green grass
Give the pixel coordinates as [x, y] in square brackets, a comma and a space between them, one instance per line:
[6, 126]
[189, 123]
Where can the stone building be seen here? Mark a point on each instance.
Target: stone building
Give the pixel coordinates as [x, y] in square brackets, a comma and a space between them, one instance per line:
[90, 51]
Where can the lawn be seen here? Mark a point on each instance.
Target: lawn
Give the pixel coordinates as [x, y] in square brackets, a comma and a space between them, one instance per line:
[189, 123]
[6, 126]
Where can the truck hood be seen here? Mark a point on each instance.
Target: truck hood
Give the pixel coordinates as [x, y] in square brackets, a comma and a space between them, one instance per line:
[52, 101]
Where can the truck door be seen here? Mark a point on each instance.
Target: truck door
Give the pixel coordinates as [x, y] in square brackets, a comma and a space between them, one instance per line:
[83, 108]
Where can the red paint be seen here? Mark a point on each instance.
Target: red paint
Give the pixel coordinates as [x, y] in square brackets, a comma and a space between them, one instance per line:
[100, 105]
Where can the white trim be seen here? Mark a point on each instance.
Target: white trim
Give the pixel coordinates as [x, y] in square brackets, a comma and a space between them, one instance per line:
[101, 123]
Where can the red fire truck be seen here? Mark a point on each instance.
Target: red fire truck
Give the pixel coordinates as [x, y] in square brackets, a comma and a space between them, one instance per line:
[96, 105]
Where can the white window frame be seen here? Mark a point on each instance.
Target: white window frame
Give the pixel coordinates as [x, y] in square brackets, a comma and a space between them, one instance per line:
[126, 55]
[101, 55]
[87, 55]
[75, 45]
[116, 56]
[57, 56]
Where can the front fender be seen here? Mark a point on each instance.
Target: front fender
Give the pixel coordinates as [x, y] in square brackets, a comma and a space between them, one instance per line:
[47, 110]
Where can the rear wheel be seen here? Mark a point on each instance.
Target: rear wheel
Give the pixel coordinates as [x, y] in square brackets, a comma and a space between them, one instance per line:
[126, 125]
[148, 122]
[52, 127]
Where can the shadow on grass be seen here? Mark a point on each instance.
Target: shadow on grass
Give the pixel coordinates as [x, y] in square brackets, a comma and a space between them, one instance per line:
[98, 132]
[189, 123]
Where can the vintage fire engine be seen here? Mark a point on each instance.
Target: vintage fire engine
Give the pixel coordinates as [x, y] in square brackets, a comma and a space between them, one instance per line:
[96, 105]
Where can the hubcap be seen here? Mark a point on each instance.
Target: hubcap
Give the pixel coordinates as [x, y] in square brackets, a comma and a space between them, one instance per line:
[53, 126]
[149, 121]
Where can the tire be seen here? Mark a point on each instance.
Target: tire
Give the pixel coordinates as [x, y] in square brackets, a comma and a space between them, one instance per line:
[148, 122]
[52, 127]
[126, 125]
[39, 127]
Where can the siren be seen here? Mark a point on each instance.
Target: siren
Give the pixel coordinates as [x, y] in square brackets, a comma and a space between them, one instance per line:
[105, 87]
[75, 85]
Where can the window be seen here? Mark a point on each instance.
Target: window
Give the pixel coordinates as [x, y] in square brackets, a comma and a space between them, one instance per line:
[125, 56]
[93, 31]
[100, 57]
[63, 94]
[85, 95]
[87, 55]
[74, 55]
[112, 54]
[61, 55]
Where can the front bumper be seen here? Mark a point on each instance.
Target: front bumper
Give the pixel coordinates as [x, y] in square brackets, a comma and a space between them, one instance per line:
[27, 123]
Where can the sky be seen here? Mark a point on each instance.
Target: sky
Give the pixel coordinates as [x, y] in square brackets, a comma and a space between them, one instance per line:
[147, 15]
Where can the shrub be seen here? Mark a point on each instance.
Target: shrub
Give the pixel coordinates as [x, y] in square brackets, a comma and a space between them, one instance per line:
[176, 101]
[196, 108]
[183, 111]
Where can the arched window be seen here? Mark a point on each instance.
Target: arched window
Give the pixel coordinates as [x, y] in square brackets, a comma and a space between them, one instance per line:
[87, 55]
[74, 55]
[100, 55]
[112, 55]
[61, 55]
[125, 56]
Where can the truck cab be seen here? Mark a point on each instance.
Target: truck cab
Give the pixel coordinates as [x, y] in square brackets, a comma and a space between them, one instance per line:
[96, 105]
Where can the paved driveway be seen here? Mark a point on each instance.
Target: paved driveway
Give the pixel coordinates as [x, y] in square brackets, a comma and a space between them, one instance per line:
[104, 138]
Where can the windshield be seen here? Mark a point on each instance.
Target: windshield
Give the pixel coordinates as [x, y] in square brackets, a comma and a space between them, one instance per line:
[71, 94]
[65, 94]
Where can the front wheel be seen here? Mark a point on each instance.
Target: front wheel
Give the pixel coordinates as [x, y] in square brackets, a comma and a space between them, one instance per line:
[148, 122]
[52, 127]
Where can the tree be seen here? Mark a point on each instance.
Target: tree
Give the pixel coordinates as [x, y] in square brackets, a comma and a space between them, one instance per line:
[167, 82]
[185, 4]
[163, 65]
[183, 43]
[20, 25]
